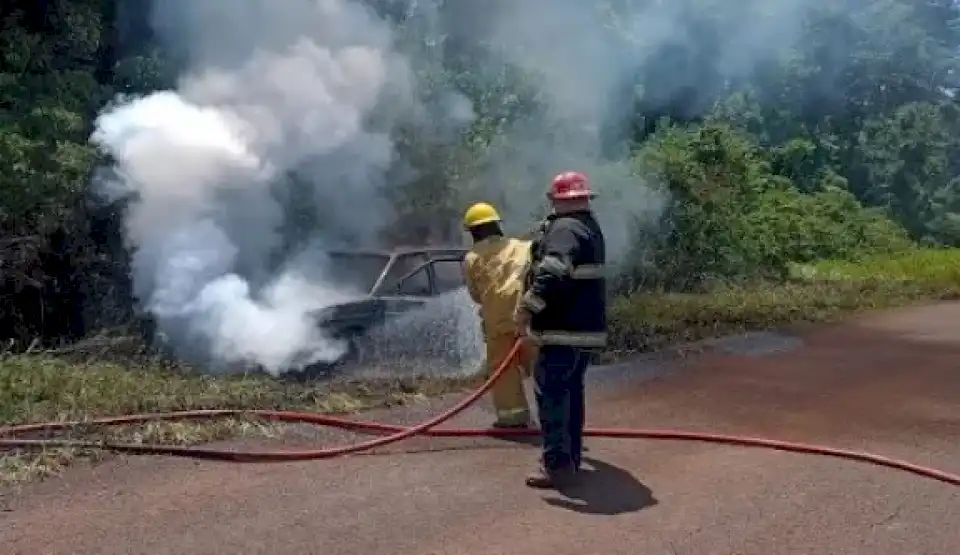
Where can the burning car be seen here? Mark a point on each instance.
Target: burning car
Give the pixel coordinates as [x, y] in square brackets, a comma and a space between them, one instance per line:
[397, 283]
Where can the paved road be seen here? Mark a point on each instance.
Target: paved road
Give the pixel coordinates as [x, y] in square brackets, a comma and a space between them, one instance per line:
[889, 383]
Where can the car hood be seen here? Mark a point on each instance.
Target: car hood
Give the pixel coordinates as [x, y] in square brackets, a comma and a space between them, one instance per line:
[355, 317]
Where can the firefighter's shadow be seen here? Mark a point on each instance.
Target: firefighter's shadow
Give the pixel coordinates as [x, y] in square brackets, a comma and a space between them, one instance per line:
[604, 489]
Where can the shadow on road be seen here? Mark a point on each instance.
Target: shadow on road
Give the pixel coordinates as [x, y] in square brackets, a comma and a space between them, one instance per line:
[533, 441]
[604, 489]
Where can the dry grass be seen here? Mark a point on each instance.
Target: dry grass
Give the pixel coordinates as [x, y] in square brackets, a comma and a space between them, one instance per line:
[44, 389]
[22, 467]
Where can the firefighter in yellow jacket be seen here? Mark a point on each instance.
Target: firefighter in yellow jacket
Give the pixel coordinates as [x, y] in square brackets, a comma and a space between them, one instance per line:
[495, 269]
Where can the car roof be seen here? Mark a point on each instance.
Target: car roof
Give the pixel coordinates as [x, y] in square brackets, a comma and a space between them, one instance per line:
[397, 251]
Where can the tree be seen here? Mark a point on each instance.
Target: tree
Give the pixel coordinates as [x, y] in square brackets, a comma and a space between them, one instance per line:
[838, 139]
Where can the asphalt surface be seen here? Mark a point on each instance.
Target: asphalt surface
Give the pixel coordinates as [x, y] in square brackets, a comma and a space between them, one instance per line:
[888, 383]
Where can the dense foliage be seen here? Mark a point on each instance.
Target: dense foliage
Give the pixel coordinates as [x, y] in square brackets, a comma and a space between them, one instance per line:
[845, 144]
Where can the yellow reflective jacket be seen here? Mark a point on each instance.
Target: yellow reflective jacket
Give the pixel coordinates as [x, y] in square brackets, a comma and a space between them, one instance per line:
[495, 269]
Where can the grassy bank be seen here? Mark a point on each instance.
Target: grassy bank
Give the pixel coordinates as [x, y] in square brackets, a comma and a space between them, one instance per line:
[41, 389]
[36, 388]
[818, 292]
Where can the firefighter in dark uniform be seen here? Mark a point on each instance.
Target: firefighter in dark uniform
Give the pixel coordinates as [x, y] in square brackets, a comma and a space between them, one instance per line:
[563, 311]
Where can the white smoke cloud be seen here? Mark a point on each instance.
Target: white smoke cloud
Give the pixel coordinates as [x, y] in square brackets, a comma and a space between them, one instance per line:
[307, 90]
[588, 58]
[267, 92]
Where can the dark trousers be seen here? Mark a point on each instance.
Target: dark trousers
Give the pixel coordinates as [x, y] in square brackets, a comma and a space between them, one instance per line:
[559, 375]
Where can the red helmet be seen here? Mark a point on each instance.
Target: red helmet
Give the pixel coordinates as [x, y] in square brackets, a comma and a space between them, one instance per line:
[570, 185]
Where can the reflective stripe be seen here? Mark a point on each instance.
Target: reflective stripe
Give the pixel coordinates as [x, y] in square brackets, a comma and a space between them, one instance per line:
[513, 416]
[570, 338]
[588, 271]
[555, 266]
[533, 302]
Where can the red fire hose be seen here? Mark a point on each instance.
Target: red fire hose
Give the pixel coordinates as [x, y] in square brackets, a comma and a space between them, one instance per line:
[398, 433]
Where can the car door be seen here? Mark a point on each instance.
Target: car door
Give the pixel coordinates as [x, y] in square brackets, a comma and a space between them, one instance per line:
[447, 274]
[408, 284]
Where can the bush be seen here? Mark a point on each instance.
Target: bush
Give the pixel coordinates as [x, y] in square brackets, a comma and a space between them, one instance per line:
[732, 217]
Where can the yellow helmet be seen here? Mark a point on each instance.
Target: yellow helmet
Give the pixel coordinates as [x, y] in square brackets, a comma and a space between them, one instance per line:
[480, 213]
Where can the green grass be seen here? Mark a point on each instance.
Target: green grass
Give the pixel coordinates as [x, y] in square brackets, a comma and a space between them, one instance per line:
[819, 292]
[932, 267]
[41, 389]
[38, 388]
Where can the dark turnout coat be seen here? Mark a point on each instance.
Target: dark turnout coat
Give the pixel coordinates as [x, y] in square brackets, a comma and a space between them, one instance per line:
[565, 288]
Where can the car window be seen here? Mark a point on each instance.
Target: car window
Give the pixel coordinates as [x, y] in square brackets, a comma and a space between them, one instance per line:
[417, 283]
[449, 274]
[402, 266]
